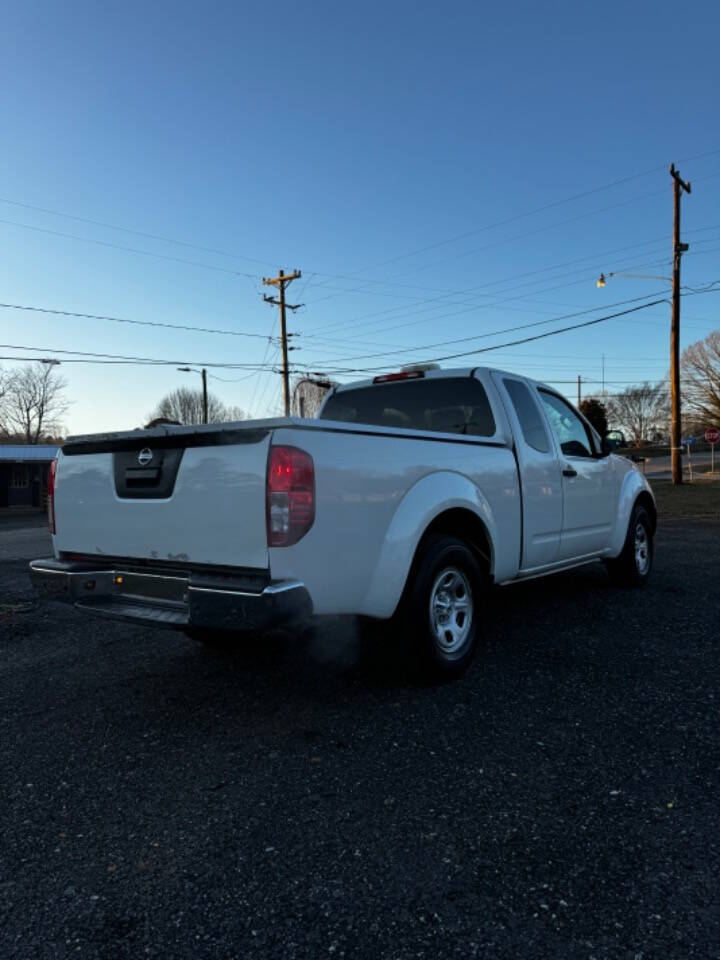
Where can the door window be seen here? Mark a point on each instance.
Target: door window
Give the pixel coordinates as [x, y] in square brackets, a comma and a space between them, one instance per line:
[569, 430]
[531, 423]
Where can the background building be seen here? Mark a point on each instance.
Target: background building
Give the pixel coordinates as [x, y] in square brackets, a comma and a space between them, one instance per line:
[24, 472]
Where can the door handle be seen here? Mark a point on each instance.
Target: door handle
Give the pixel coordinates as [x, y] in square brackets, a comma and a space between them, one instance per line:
[569, 472]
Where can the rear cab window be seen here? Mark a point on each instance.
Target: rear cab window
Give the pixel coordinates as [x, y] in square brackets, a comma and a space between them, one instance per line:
[528, 414]
[439, 405]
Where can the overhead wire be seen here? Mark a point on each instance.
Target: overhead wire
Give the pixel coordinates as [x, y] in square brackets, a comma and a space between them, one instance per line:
[494, 283]
[117, 246]
[714, 287]
[141, 323]
[494, 244]
[129, 358]
[534, 212]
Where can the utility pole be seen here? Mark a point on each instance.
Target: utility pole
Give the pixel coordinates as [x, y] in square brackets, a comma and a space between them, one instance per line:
[579, 389]
[203, 374]
[281, 281]
[205, 405]
[678, 250]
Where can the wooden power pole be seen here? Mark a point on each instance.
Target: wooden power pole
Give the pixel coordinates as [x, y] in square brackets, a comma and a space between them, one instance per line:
[205, 400]
[281, 281]
[675, 400]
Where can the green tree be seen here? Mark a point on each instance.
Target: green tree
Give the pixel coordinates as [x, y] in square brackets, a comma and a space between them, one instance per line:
[596, 413]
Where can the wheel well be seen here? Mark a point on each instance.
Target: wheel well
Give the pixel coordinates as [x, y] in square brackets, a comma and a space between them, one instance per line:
[645, 500]
[468, 527]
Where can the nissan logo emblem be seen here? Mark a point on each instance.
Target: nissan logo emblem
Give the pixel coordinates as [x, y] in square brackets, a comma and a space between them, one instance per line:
[145, 456]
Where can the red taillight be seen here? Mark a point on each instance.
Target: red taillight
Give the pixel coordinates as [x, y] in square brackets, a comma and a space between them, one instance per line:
[404, 375]
[290, 495]
[51, 496]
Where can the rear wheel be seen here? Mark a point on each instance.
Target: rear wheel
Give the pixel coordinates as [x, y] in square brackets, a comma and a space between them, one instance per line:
[443, 609]
[632, 568]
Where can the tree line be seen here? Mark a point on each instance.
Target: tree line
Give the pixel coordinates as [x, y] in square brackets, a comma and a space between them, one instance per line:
[642, 411]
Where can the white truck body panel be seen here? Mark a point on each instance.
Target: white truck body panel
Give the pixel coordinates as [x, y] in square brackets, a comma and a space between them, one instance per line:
[376, 496]
[216, 514]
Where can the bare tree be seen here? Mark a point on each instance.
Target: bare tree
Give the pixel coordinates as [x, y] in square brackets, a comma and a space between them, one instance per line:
[32, 401]
[700, 369]
[234, 413]
[641, 411]
[186, 406]
[308, 396]
[4, 384]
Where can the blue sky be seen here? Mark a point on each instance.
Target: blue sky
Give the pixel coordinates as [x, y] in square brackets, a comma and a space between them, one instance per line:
[375, 147]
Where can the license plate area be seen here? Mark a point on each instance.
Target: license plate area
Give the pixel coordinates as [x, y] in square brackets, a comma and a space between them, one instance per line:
[140, 586]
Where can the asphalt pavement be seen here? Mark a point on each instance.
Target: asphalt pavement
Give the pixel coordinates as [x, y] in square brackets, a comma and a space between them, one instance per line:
[660, 468]
[301, 798]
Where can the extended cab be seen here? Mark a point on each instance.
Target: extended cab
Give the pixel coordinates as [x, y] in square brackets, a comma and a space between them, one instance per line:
[403, 501]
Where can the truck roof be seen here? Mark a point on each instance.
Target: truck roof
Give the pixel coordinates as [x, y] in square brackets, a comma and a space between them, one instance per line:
[437, 374]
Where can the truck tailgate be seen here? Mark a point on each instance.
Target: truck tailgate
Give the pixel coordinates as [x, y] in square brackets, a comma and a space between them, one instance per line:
[189, 497]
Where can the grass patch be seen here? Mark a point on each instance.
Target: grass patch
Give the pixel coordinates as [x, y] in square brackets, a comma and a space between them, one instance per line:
[698, 499]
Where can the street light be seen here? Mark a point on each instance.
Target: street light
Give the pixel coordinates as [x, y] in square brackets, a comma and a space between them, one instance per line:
[604, 277]
[675, 413]
[203, 374]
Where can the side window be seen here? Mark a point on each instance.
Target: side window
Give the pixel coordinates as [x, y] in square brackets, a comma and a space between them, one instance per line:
[529, 416]
[568, 428]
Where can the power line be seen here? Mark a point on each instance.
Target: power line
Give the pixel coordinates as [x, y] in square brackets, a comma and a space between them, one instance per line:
[117, 246]
[268, 382]
[212, 376]
[136, 233]
[543, 270]
[475, 306]
[525, 215]
[513, 343]
[413, 349]
[714, 287]
[129, 359]
[259, 376]
[495, 333]
[491, 283]
[141, 323]
[233, 255]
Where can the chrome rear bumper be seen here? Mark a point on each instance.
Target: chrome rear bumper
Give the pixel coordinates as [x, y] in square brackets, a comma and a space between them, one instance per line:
[178, 599]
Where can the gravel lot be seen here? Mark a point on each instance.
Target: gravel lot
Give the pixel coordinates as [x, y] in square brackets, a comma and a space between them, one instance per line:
[300, 799]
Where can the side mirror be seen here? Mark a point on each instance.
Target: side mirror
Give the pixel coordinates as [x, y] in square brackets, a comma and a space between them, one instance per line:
[608, 444]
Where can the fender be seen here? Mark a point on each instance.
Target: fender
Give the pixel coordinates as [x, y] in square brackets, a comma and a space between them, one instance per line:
[425, 500]
[632, 485]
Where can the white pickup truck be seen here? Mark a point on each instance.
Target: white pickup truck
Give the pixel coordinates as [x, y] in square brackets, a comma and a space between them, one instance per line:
[406, 498]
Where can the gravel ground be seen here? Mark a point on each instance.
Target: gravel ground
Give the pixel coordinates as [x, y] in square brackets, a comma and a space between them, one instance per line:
[300, 799]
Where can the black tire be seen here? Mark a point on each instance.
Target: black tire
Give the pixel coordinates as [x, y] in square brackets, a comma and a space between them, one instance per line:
[446, 582]
[633, 566]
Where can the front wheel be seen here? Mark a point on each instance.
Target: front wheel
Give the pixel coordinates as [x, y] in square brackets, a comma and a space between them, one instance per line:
[632, 568]
[443, 609]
